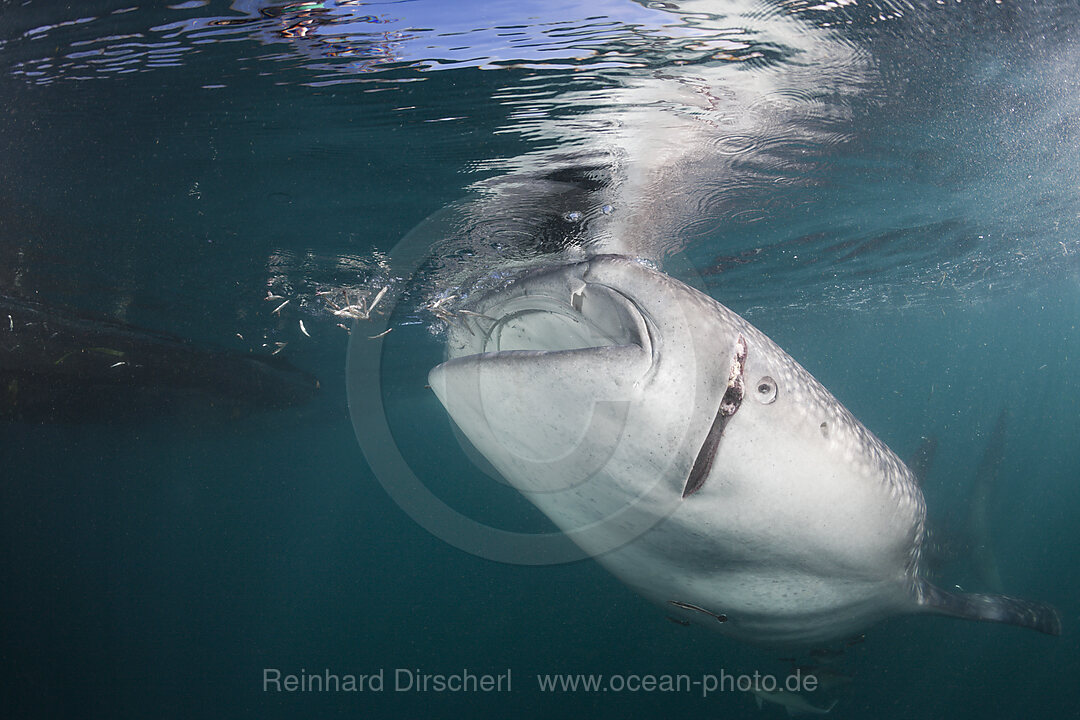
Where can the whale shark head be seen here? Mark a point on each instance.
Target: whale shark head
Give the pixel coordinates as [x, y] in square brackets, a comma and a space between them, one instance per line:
[552, 375]
[689, 453]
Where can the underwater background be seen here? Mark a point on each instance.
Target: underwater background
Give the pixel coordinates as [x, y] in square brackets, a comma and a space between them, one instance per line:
[889, 190]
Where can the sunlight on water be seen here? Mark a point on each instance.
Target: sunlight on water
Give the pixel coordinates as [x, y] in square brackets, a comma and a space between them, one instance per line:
[752, 137]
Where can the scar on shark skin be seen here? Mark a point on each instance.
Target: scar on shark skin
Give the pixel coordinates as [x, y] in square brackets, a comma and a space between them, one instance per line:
[721, 617]
[729, 405]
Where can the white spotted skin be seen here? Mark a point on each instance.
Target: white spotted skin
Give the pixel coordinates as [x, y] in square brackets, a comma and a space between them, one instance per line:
[798, 535]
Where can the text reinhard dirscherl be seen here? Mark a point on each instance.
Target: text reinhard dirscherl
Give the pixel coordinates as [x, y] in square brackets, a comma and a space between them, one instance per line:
[396, 680]
[465, 680]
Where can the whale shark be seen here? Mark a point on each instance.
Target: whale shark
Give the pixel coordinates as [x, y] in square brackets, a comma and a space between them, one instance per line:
[693, 457]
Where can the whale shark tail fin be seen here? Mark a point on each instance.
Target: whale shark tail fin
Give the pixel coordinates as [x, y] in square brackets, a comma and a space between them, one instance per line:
[989, 608]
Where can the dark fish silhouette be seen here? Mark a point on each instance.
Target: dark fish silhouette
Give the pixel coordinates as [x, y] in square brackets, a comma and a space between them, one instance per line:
[60, 366]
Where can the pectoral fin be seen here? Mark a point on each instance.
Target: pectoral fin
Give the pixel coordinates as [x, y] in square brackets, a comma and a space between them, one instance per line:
[989, 608]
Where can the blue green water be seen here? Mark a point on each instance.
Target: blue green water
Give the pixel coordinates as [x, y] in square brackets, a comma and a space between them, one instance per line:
[888, 190]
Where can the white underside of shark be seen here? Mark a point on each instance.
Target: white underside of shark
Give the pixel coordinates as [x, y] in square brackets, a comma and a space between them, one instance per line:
[693, 457]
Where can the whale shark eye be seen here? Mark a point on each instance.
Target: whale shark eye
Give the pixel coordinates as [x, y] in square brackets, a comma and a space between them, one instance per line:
[765, 390]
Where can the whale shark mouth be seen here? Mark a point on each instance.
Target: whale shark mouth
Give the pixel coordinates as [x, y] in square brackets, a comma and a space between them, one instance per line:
[541, 375]
[549, 323]
[729, 405]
